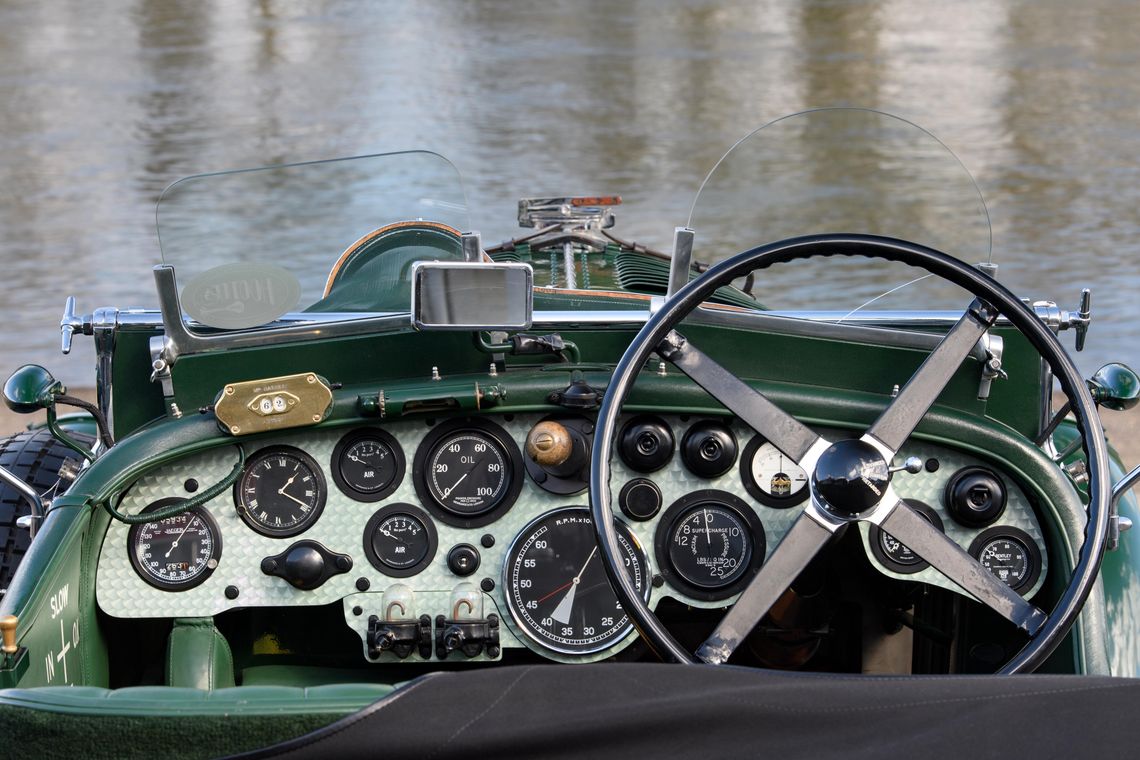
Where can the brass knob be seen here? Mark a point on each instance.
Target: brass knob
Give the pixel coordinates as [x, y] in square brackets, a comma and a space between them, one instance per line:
[8, 630]
[549, 444]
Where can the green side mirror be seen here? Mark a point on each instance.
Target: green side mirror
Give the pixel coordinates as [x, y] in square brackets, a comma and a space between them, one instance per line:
[1115, 386]
[30, 389]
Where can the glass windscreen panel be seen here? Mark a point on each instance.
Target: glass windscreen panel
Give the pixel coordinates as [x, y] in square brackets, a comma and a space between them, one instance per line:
[842, 170]
[249, 246]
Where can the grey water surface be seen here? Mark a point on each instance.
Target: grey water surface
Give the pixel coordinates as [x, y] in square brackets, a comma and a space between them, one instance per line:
[103, 104]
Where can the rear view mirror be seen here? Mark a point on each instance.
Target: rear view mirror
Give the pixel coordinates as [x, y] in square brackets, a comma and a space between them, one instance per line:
[471, 296]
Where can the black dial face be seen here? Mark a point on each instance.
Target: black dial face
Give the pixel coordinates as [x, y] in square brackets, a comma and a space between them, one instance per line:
[400, 540]
[178, 552]
[368, 465]
[710, 544]
[771, 477]
[281, 493]
[468, 473]
[896, 555]
[556, 586]
[1010, 555]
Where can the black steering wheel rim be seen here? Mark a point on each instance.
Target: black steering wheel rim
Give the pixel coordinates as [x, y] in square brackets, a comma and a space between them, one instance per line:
[661, 323]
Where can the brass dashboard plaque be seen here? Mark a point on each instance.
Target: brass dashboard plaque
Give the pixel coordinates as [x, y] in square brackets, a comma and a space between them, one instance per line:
[274, 403]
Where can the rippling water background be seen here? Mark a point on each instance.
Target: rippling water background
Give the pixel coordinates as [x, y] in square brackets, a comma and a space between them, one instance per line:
[103, 104]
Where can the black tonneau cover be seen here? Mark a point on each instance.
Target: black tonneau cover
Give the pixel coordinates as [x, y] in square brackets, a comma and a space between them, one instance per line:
[667, 711]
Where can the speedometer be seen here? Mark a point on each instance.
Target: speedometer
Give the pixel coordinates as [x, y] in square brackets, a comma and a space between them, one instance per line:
[175, 553]
[556, 585]
[468, 472]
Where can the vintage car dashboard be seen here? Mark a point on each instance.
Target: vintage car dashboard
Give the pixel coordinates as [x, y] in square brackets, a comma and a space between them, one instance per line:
[441, 537]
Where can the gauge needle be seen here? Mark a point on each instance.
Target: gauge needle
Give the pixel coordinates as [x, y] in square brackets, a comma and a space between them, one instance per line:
[174, 545]
[294, 498]
[708, 534]
[288, 483]
[456, 485]
[392, 536]
[562, 611]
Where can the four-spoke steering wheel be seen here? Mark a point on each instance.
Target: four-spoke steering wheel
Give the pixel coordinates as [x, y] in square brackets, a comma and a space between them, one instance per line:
[850, 480]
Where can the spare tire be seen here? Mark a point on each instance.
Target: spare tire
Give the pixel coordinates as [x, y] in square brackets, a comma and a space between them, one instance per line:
[34, 457]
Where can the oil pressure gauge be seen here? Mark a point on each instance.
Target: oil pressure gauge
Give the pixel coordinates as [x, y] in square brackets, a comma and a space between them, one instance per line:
[468, 472]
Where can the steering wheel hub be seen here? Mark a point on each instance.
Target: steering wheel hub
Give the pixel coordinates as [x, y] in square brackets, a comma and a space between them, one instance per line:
[850, 478]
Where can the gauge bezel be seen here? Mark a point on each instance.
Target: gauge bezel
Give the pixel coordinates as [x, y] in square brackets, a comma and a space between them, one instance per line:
[349, 440]
[392, 510]
[514, 478]
[754, 489]
[875, 539]
[532, 639]
[292, 530]
[1016, 534]
[682, 507]
[215, 554]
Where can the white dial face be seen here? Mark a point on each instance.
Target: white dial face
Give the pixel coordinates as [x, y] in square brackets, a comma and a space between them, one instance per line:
[776, 474]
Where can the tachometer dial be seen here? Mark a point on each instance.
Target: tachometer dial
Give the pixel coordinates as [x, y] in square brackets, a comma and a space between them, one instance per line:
[368, 465]
[178, 552]
[1010, 555]
[400, 540]
[770, 476]
[468, 472]
[556, 587]
[281, 493]
[709, 544]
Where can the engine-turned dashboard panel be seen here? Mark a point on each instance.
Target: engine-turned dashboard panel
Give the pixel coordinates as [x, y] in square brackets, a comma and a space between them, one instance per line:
[463, 536]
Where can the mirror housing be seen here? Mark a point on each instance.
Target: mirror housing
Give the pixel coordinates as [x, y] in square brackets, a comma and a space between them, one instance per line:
[30, 389]
[1115, 386]
[452, 295]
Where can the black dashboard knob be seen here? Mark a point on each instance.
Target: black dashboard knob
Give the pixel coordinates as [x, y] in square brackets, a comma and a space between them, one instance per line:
[709, 449]
[306, 565]
[463, 560]
[646, 444]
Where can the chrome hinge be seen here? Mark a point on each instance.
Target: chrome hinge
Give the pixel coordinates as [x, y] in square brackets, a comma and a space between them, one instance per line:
[991, 370]
[1058, 319]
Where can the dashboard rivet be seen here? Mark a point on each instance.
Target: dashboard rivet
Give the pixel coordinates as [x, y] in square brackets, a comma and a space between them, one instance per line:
[363, 584]
[232, 592]
[487, 585]
[191, 485]
[229, 390]
[435, 374]
[357, 611]
[310, 378]
[658, 581]
[932, 465]
[487, 541]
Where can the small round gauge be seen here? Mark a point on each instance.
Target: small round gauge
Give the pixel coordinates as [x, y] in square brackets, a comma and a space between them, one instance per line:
[400, 540]
[557, 589]
[175, 553]
[281, 493]
[709, 544]
[1010, 555]
[468, 472]
[771, 477]
[367, 465]
[894, 554]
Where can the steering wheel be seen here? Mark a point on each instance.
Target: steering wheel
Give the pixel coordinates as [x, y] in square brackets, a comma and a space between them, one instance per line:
[850, 480]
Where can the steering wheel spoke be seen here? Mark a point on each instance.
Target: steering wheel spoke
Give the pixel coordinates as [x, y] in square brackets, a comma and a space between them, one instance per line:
[799, 546]
[781, 429]
[934, 546]
[901, 417]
